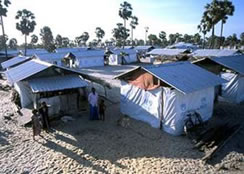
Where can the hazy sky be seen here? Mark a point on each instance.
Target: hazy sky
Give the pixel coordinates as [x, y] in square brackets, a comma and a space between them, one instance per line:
[71, 18]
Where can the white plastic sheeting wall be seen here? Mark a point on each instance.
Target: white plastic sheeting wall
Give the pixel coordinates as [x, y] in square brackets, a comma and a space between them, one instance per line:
[176, 106]
[140, 104]
[147, 106]
[114, 60]
[26, 96]
[66, 103]
[117, 60]
[233, 91]
[89, 62]
[53, 103]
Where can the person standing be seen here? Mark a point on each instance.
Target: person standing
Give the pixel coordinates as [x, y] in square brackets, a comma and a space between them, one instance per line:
[102, 108]
[44, 116]
[36, 126]
[92, 99]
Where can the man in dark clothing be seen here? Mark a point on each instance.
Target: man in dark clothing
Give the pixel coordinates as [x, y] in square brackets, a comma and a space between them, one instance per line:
[102, 108]
[44, 116]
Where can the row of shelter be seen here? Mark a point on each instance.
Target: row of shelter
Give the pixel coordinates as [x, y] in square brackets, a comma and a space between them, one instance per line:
[165, 94]
[161, 95]
[79, 58]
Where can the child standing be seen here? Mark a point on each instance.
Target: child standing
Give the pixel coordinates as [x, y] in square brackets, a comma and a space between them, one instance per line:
[36, 126]
[102, 108]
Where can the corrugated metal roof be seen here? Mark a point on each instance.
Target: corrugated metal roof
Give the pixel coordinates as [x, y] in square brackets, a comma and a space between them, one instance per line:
[51, 56]
[167, 52]
[89, 53]
[185, 76]
[56, 83]
[128, 47]
[14, 61]
[183, 45]
[127, 51]
[146, 47]
[214, 53]
[31, 52]
[235, 63]
[12, 52]
[182, 76]
[66, 50]
[25, 70]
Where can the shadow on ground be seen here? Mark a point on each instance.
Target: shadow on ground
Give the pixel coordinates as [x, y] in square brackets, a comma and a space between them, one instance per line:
[234, 114]
[108, 141]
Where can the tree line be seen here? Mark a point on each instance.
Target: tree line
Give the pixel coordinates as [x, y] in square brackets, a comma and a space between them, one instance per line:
[215, 12]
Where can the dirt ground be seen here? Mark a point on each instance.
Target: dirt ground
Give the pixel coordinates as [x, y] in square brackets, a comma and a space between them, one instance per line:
[83, 146]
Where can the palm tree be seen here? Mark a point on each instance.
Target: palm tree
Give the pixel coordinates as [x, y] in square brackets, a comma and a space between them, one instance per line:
[12, 43]
[133, 24]
[3, 12]
[47, 39]
[212, 16]
[26, 23]
[232, 40]
[125, 12]
[204, 28]
[162, 36]
[58, 41]
[34, 39]
[227, 9]
[196, 38]
[99, 34]
[84, 37]
[120, 34]
[242, 38]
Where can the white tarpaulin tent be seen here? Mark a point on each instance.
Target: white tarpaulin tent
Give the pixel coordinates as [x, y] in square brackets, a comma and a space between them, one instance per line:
[169, 103]
[177, 105]
[233, 91]
[35, 76]
[26, 96]
[89, 58]
[116, 58]
[147, 106]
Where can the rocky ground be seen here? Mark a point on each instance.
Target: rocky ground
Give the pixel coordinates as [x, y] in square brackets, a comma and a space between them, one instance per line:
[83, 146]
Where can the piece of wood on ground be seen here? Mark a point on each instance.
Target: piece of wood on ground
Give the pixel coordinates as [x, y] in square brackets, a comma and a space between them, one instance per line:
[215, 149]
[25, 118]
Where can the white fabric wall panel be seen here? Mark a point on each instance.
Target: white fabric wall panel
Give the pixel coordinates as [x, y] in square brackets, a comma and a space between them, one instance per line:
[147, 106]
[176, 106]
[26, 96]
[233, 91]
[140, 104]
[89, 62]
[114, 60]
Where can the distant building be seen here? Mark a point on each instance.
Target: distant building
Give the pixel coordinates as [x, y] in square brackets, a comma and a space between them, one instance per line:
[183, 45]
[200, 53]
[168, 55]
[122, 56]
